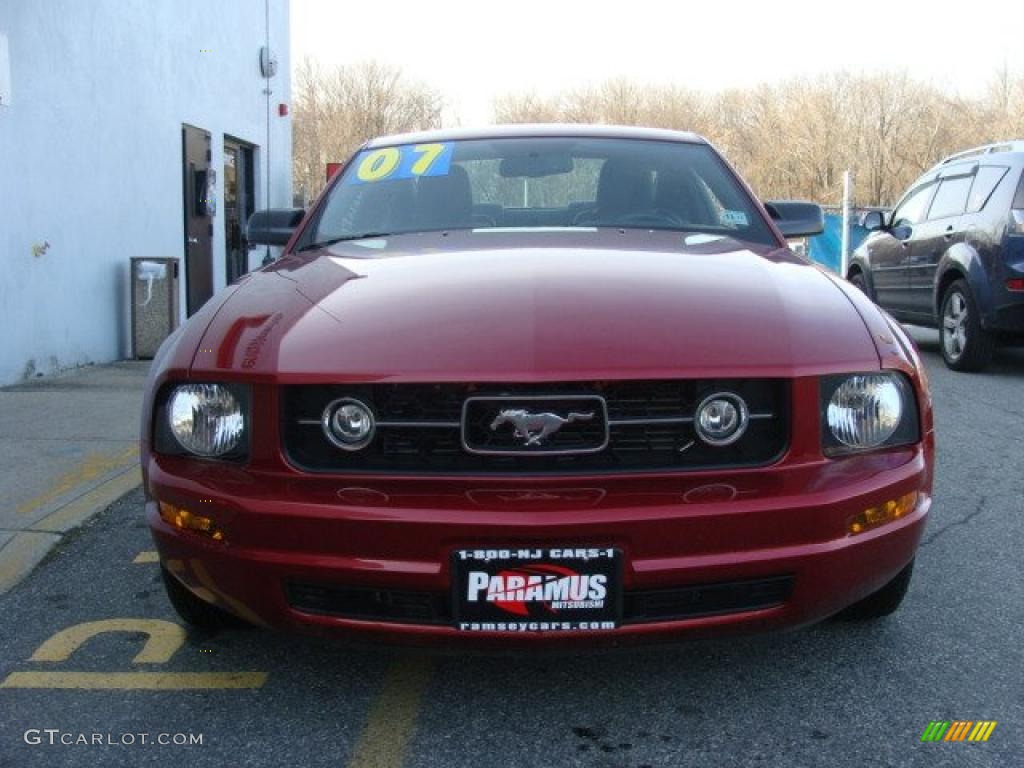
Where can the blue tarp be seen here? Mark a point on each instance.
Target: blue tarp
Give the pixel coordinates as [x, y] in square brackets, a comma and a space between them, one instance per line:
[826, 248]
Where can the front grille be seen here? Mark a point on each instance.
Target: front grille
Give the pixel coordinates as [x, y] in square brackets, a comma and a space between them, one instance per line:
[649, 427]
[411, 607]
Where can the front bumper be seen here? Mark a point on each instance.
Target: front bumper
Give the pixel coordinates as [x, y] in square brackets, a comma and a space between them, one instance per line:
[680, 531]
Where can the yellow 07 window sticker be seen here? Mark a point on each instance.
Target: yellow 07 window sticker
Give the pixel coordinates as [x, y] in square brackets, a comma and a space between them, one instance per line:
[405, 162]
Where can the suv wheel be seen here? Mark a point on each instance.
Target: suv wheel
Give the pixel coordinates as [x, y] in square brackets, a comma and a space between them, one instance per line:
[883, 602]
[965, 344]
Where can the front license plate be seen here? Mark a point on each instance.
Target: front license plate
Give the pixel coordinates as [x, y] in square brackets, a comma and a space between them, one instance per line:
[556, 589]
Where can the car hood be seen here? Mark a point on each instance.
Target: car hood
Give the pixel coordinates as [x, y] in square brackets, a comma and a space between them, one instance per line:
[475, 306]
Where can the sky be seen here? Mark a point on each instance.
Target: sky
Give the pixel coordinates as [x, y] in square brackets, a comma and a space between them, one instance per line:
[473, 52]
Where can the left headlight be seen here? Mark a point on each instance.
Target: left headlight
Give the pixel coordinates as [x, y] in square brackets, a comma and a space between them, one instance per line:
[867, 411]
[207, 420]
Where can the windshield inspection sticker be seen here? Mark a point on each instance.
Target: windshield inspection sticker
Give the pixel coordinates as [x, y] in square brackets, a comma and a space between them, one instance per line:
[406, 162]
[733, 218]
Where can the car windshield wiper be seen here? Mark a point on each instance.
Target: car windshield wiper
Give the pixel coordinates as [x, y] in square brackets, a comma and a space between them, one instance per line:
[344, 238]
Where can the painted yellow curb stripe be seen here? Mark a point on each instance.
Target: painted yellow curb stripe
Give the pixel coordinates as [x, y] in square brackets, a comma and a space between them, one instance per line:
[92, 467]
[28, 547]
[21, 554]
[124, 681]
[82, 508]
[392, 720]
[147, 556]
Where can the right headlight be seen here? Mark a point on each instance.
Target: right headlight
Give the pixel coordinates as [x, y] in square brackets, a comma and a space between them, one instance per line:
[202, 419]
[866, 411]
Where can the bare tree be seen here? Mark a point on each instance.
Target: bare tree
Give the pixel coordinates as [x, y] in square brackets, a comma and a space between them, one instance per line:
[337, 111]
[797, 137]
[794, 138]
[526, 107]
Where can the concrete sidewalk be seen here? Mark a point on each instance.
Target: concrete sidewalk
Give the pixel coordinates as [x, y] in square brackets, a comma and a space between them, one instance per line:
[68, 448]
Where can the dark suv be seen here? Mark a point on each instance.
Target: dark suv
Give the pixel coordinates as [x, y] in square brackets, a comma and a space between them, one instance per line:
[951, 254]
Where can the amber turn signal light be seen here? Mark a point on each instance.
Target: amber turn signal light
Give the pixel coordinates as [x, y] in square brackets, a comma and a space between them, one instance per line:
[891, 510]
[184, 520]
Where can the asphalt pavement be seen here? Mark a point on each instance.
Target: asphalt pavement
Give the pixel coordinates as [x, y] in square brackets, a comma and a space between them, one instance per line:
[836, 694]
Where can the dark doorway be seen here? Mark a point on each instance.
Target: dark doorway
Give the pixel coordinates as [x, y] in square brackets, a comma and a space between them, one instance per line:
[199, 209]
[239, 188]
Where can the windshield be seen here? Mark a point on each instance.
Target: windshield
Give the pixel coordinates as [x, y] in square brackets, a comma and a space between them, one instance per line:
[538, 182]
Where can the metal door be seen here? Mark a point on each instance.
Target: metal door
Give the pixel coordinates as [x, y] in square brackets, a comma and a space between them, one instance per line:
[200, 205]
[890, 250]
[932, 238]
[885, 253]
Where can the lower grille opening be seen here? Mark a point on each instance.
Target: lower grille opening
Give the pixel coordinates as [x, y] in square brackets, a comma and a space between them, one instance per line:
[401, 606]
[639, 607]
[706, 599]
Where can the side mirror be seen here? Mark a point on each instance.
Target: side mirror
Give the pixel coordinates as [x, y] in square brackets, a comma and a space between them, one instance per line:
[902, 232]
[872, 221]
[796, 219]
[274, 226]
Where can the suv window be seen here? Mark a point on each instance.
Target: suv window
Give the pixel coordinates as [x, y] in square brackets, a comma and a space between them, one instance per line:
[913, 207]
[951, 199]
[985, 182]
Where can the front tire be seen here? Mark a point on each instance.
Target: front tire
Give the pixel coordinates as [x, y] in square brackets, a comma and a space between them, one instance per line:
[196, 612]
[966, 346]
[883, 602]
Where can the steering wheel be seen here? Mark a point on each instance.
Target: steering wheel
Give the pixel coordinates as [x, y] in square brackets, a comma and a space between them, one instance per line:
[654, 217]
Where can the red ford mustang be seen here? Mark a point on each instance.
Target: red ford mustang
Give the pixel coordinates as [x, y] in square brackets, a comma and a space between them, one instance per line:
[538, 384]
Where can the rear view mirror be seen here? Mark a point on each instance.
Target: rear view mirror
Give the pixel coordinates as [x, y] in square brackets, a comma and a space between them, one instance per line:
[274, 226]
[872, 221]
[535, 165]
[796, 219]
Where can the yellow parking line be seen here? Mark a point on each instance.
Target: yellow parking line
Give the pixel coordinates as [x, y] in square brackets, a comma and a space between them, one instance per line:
[392, 719]
[147, 556]
[90, 468]
[124, 681]
[163, 638]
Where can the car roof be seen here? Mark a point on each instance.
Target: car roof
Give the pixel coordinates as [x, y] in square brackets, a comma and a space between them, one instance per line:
[539, 130]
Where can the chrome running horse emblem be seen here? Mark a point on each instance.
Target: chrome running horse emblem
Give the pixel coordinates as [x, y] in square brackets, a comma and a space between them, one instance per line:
[535, 428]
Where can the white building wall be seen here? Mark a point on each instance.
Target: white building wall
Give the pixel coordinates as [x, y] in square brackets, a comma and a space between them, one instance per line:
[91, 155]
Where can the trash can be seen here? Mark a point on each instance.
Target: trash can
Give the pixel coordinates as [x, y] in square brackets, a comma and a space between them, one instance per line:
[154, 296]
